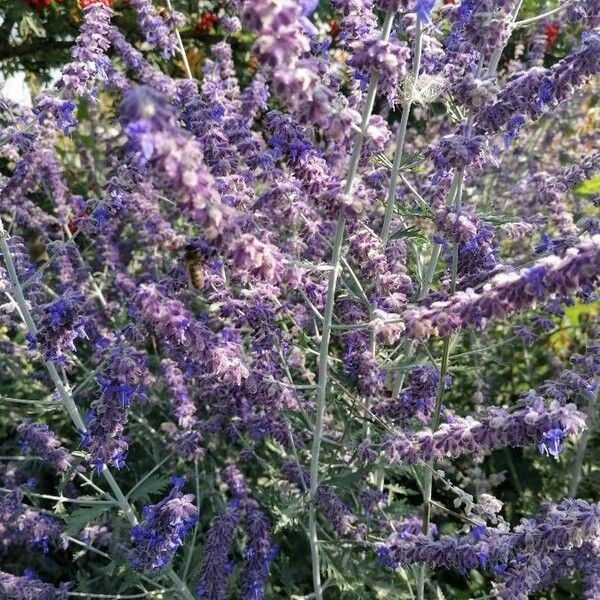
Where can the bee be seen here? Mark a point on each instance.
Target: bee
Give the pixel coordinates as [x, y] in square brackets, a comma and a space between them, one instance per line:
[194, 264]
[36, 246]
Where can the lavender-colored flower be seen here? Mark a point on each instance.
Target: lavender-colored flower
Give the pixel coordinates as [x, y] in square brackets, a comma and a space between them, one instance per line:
[165, 524]
[361, 366]
[551, 443]
[258, 554]
[458, 152]
[28, 586]
[122, 381]
[215, 562]
[182, 405]
[388, 59]
[158, 142]
[89, 52]
[235, 482]
[558, 526]
[147, 73]
[417, 400]
[39, 438]
[60, 325]
[154, 28]
[20, 524]
[533, 424]
[509, 293]
[584, 11]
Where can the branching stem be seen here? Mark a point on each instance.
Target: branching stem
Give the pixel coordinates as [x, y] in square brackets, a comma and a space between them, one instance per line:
[323, 376]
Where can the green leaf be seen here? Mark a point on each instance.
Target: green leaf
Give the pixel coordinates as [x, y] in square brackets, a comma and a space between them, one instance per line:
[408, 232]
[82, 516]
[410, 161]
[591, 186]
[29, 26]
[152, 485]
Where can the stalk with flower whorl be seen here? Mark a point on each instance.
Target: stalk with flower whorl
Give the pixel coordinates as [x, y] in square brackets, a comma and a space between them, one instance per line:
[508, 293]
[60, 324]
[279, 46]
[212, 584]
[182, 405]
[146, 73]
[529, 92]
[259, 550]
[534, 572]
[22, 525]
[417, 400]
[89, 52]
[165, 524]
[40, 439]
[155, 30]
[558, 526]
[13, 587]
[536, 423]
[158, 142]
[122, 381]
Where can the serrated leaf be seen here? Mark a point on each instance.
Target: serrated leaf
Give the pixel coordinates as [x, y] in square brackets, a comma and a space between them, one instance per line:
[152, 485]
[409, 161]
[408, 232]
[82, 516]
[31, 25]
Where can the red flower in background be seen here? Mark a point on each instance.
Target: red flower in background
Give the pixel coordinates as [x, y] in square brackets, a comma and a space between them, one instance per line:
[334, 28]
[85, 3]
[39, 4]
[205, 23]
[551, 30]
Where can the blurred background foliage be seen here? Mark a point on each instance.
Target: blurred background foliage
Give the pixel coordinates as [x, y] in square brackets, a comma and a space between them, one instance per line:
[36, 35]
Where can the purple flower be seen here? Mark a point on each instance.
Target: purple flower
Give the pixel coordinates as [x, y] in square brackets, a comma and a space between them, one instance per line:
[182, 405]
[165, 524]
[60, 325]
[155, 29]
[89, 51]
[121, 382]
[258, 554]
[509, 293]
[552, 443]
[496, 429]
[212, 583]
[28, 586]
[20, 524]
[41, 439]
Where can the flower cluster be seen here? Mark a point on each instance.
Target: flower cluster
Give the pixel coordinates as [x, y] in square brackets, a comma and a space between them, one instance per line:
[163, 530]
[120, 384]
[40, 439]
[534, 423]
[508, 293]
